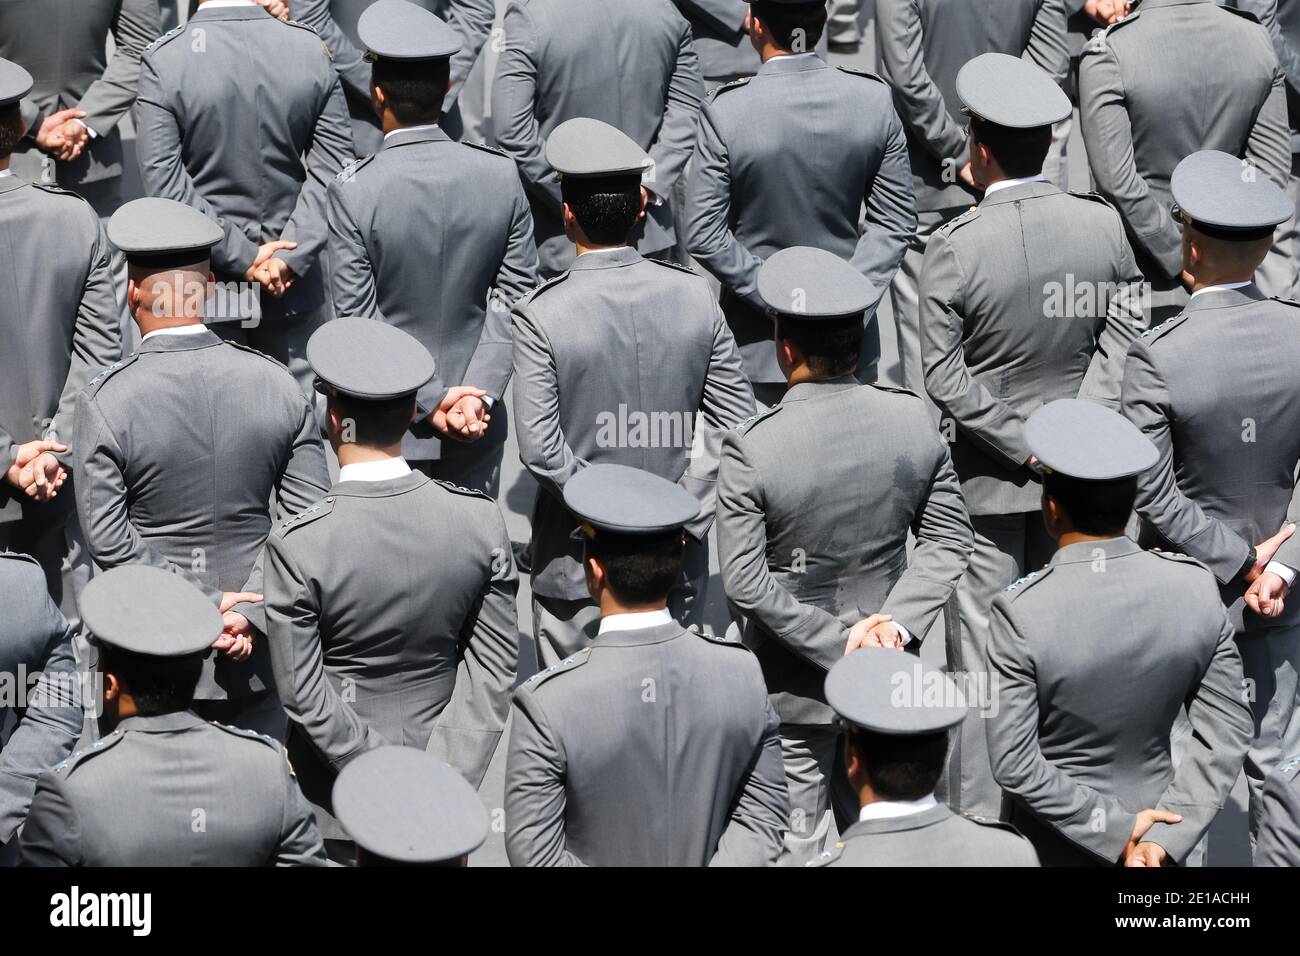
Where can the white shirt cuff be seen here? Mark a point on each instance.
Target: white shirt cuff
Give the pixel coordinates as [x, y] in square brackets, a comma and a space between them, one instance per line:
[93, 134]
[904, 634]
[1282, 571]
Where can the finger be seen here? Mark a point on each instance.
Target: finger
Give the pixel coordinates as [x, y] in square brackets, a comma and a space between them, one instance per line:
[1165, 816]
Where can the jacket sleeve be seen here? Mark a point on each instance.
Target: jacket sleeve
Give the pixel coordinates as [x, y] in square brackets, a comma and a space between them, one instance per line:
[349, 62]
[756, 829]
[1048, 48]
[1090, 819]
[473, 21]
[136, 25]
[469, 728]
[1288, 54]
[726, 16]
[1269, 143]
[514, 118]
[542, 446]
[535, 789]
[1124, 322]
[807, 630]
[1222, 729]
[890, 212]
[1279, 827]
[676, 136]
[1183, 523]
[300, 842]
[352, 279]
[52, 834]
[727, 401]
[988, 420]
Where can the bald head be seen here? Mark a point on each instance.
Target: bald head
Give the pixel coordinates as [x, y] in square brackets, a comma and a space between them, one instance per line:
[1213, 260]
[167, 292]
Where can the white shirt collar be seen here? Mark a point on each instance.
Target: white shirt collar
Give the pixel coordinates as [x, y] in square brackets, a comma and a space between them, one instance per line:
[1220, 288]
[607, 249]
[410, 129]
[794, 56]
[213, 4]
[634, 620]
[883, 809]
[6, 172]
[1006, 183]
[195, 329]
[385, 469]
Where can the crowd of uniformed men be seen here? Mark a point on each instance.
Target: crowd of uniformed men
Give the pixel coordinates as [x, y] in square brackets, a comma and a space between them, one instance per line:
[257, 596]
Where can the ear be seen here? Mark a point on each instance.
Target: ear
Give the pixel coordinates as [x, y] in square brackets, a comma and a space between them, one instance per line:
[132, 294]
[567, 216]
[112, 686]
[377, 99]
[594, 572]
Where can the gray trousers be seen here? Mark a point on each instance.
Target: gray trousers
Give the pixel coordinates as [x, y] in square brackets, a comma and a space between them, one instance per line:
[1270, 658]
[1279, 273]
[822, 804]
[1007, 547]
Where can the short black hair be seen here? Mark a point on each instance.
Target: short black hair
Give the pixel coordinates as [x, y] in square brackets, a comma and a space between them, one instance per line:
[831, 347]
[1093, 507]
[11, 128]
[900, 767]
[413, 89]
[1020, 152]
[374, 424]
[641, 568]
[794, 26]
[158, 685]
[606, 207]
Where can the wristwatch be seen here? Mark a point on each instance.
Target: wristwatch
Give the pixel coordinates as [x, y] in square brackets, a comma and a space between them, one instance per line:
[1251, 557]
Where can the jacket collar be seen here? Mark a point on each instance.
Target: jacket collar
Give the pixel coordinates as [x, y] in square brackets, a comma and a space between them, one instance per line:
[380, 489]
[1224, 299]
[162, 723]
[641, 636]
[1082, 552]
[12, 182]
[806, 390]
[912, 821]
[798, 63]
[1030, 190]
[1151, 4]
[180, 343]
[206, 12]
[405, 137]
[607, 259]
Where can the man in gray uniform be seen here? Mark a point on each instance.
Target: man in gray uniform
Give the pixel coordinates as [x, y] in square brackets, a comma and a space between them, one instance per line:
[182, 446]
[656, 746]
[36, 655]
[1095, 657]
[922, 44]
[832, 145]
[632, 66]
[229, 799]
[390, 604]
[435, 238]
[59, 325]
[622, 359]
[1279, 831]
[404, 807]
[241, 116]
[1219, 86]
[816, 498]
[1032, 295]
[898, 713]
[1216, 390]
[339, 24]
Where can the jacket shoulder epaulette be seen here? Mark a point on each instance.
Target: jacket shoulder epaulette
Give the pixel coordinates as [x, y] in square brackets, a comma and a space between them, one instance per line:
[252, 351]
[1164, 328]
[572, 662]
[18, 556]
[1107, 30]
[679, 266]
[733, 85]
[856, 72]
[896, 389]
[79, 757]
[494, 150]
[548, 284]
[1248, 14]
[317, 511]
[459, 490]
[952, 225]
[748, 424]
[1093, 196]
[264, 739]
[56, 189]
[992, 823]
[1294, 303]
[1290, 768]
[718, 637]
[1022, 585]
[349, 172]
[1179, 557]
[827, 857]
[96, 383]
[167, 37]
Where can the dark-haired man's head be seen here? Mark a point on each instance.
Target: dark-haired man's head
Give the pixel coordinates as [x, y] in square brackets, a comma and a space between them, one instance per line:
[11, 130]
[776, 28]
[143, 685]
[894, 767]
[815, 350]
[1099, 509]
[376, 425]
[409, 92]
[1000, 152]
[601, 211]
[633, 571]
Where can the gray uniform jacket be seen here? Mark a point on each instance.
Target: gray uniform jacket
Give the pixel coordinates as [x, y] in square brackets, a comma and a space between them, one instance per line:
[653, 747]
[35, 653]
[58, 320]
[621, 360]
[1079, 736]
[1031, 297]
[631, 66]
[1139, 121]
[336, 22]
[241, 116]
[435, 238]
[63, 44]
[188, 487]
[1282, 20]
[923, 44]
[815, 501]
[1279, 832]
[720, 40]
[104, 806]
[790, 158]
[933, 837]
[372, 644]
[1226, 419]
